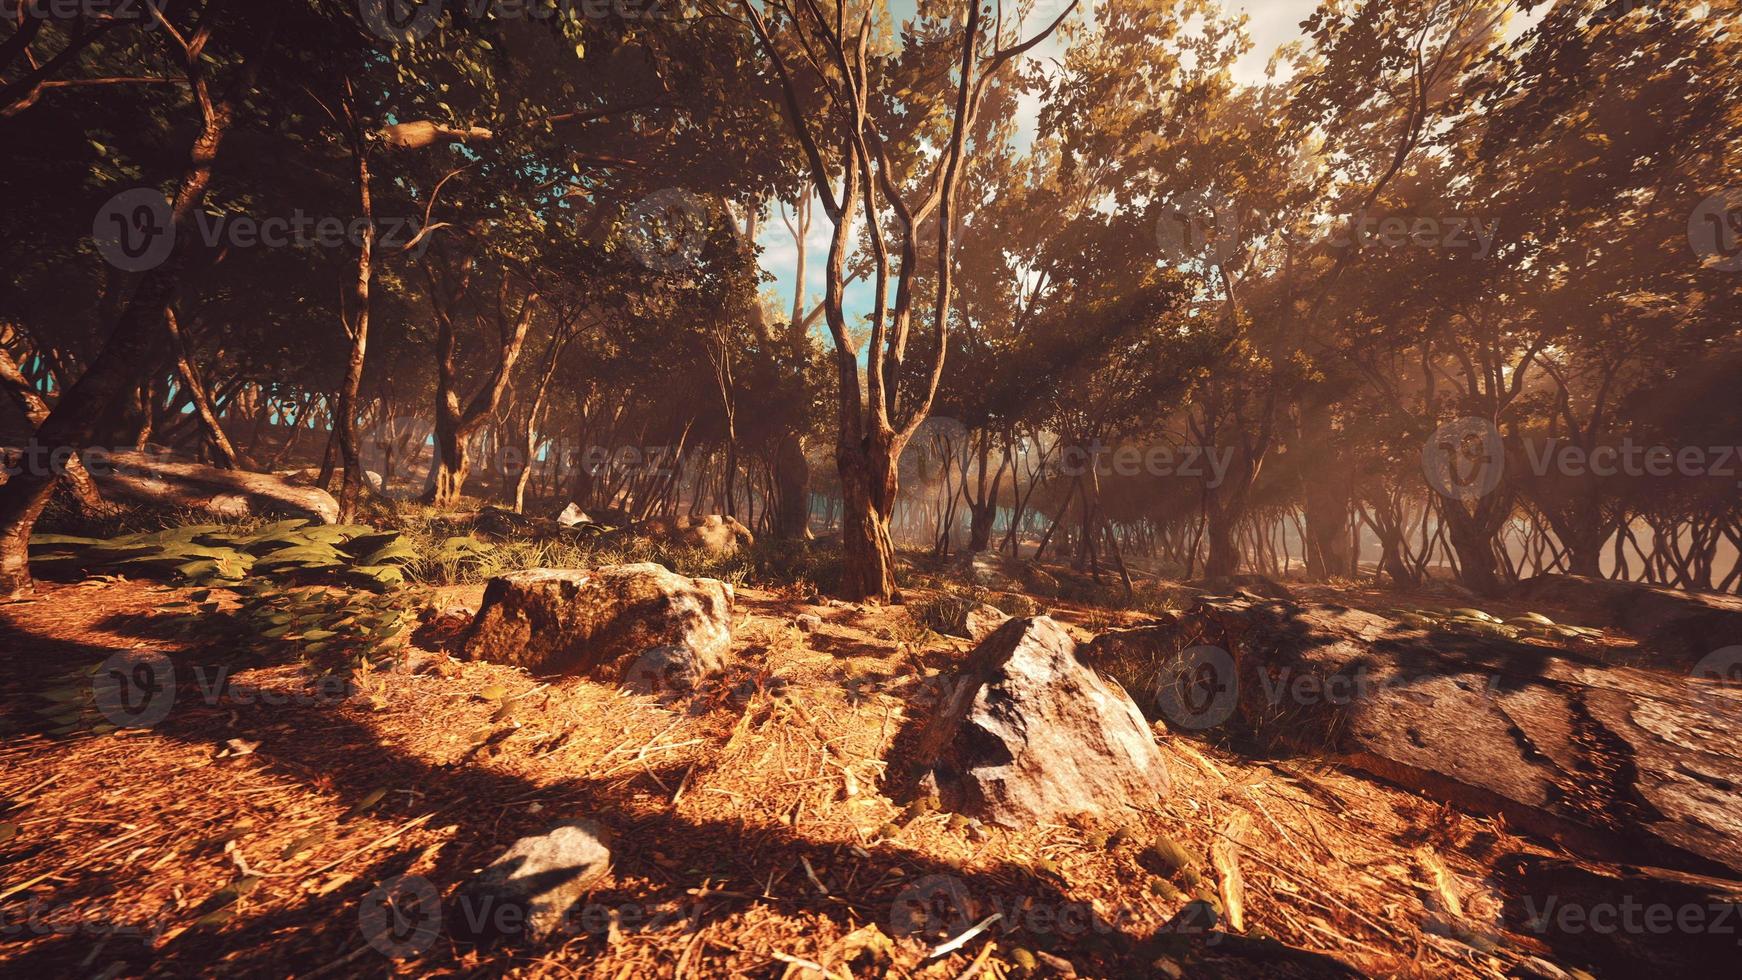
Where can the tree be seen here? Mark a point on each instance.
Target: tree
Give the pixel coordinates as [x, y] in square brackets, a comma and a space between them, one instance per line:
[875, 169]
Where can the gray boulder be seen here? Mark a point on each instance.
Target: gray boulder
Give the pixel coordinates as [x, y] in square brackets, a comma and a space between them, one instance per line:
[1030, 734]
[597, 622]
[533, 890]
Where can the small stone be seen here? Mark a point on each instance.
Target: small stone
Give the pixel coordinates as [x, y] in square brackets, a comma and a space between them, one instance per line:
[539, 878]
[1057, 964]
[1169, 858]
[1163, 889]
[808, 623]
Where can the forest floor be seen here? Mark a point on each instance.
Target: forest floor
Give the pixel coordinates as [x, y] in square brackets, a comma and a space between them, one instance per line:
[249, 834]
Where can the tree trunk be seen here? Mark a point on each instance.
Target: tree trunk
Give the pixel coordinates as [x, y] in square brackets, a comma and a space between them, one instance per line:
[184, 368]
[868, 490]
[1472, 537]
[1327, 500]
[73, 475]
[1224, 557]
[792, 476]
[345, 406]
[133, 343]
[452, 465]
[454, 425]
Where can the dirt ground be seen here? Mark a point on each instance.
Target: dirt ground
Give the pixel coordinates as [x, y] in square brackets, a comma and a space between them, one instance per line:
[263, 831]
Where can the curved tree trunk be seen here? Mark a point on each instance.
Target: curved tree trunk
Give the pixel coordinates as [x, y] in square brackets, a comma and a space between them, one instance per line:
[73, 475]
[224, 453]
[1472, 533]
[868, 491]
[455, 425]
[73, 422]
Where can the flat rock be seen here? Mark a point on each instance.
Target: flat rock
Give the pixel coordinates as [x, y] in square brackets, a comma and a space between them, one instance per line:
[1675, 626]
[1615, 921]
[1029, 734]
[531, 892]
[1609, 760]
[597, 622]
